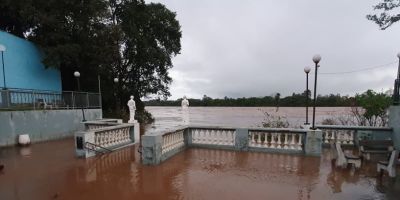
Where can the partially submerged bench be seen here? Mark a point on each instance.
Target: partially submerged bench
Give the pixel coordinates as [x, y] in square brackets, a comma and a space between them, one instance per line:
[368, 147]
[343, 159]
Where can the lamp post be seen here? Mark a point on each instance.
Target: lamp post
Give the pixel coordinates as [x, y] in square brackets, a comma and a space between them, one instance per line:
[307, 70]
[115, 94]
[2, 50]
[316, 60]
[396, 92]
[77, 75]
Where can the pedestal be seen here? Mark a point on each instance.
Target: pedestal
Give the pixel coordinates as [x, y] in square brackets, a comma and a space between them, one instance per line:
[313, 143]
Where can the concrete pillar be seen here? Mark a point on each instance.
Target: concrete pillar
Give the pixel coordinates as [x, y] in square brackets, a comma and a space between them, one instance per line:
[394, 122]
[242, 139]
[151, 149]
[136, 133]
[313, 143]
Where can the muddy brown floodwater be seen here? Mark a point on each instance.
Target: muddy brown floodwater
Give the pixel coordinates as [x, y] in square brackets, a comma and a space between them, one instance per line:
[50, 170]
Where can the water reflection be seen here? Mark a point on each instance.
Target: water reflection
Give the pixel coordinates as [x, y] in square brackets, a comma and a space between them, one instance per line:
[52, 172]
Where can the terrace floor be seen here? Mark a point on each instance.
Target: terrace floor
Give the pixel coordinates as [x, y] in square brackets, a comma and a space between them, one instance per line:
[50, 170]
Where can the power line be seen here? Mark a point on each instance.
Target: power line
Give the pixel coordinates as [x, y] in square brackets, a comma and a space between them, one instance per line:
[360, 70]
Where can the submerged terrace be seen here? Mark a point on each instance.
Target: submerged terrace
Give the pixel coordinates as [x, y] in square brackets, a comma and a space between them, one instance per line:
[50, 170]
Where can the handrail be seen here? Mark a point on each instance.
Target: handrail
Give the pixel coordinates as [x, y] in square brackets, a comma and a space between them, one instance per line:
[109, 150]
[354, 127]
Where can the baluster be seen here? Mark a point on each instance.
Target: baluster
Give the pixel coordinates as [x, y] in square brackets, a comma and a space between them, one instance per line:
[265, 144]
[258, 139]
[351, 137]
[223, 138]
[164, 144]
[253, 141]
[193, 133]
[293, 143]
[326, 136]
[279, 143]
[232, 140]
[332, 138]
[203, 136]
[300, 142]
[345, 138]
[286, 142]
[273, 142]
[339, 136]
[216, 137]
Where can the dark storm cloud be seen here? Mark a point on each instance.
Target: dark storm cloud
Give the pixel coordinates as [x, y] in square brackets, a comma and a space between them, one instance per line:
[256, 48]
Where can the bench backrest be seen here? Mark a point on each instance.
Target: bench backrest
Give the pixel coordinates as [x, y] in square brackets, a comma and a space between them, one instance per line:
[376, 144]
[393, 158]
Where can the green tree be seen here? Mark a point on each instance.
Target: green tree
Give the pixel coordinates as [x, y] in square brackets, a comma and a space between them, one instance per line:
[374, 107]
[150, 38]
[385, 18]
[125, 39]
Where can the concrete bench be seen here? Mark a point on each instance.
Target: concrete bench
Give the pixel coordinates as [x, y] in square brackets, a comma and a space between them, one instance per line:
[343, 159]
[368, 147]
[390, 165]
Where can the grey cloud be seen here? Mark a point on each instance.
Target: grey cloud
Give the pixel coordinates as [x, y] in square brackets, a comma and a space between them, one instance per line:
[256, 48]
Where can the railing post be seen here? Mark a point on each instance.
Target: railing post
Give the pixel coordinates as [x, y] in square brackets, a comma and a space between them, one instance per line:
[242, 139]
[151, 149]
[313, 142]
[87, 100]
[33, 100]
[73, 99]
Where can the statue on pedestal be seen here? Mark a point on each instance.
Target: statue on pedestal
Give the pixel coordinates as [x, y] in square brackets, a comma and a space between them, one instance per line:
[185, 110]
[185, 103]
[132, 108]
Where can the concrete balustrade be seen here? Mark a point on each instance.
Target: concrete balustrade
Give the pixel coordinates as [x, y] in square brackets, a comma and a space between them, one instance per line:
[212, 136]
[350, 135]
[172, 141]
[159, 146]
[106, 137]
[276, 140]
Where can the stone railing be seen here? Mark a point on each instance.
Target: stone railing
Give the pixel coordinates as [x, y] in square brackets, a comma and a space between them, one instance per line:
[277, 139]
[92, 125]
[105, 139]
[211, 136]
[350, 135]
[172, 141]
[157, 147]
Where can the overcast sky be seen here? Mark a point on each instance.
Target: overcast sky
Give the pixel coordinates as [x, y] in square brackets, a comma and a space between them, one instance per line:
[239, 48]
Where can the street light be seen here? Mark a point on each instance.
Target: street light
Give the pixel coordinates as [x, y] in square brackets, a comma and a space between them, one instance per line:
[115, 94]
[77, 75]
[316, 60]
[2, 50]
[307, 70]
[396, 92]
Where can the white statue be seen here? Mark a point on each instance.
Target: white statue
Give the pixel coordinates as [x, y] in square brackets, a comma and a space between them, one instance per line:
[185, 102]
[185, 110]
[132, 108]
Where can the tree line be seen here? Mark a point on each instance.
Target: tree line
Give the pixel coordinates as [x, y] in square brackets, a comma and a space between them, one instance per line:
[296, 99]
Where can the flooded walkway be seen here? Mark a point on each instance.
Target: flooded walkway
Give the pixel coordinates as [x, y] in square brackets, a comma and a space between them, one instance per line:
[51, 171]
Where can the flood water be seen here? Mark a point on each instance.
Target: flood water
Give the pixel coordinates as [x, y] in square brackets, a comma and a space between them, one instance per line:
[50, 170]
[170, 117]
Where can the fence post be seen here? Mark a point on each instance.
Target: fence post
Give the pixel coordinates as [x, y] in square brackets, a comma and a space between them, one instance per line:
[87, 100]
[242, 139]
[73, 99]
[151, 149]
[313, 143]
[33, 100]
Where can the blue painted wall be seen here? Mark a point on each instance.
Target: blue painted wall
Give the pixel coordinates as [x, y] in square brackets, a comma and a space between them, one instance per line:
[23, 66]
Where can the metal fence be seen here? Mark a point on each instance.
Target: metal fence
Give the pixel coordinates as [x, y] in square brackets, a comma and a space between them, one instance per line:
[20, 99]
